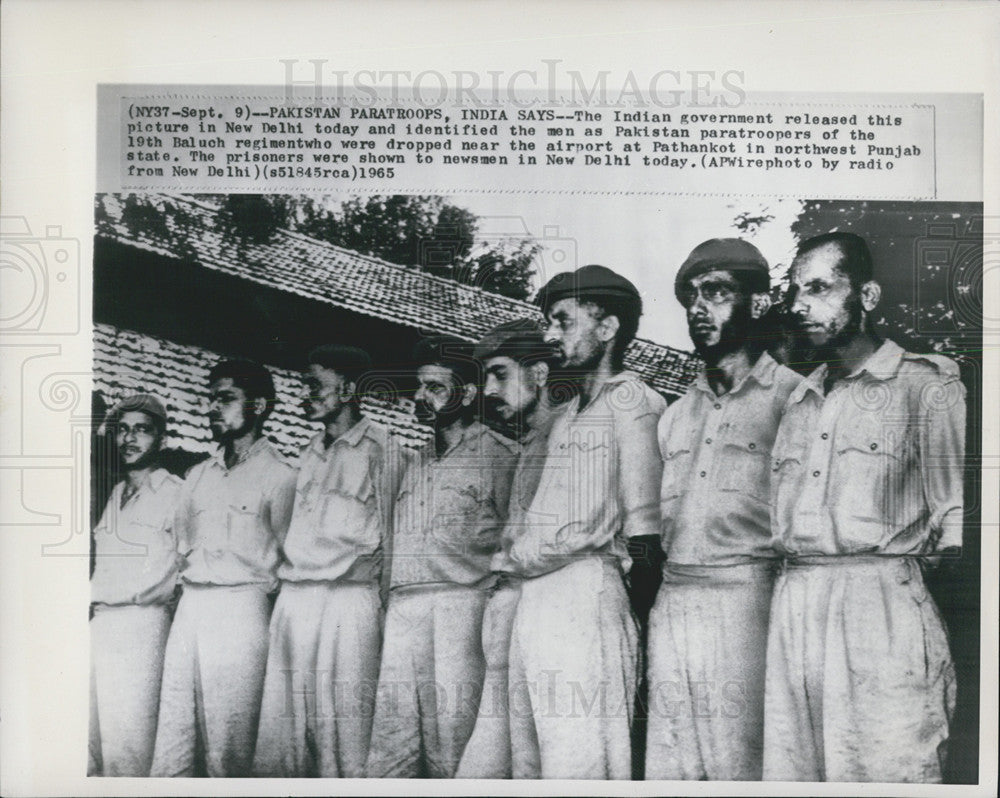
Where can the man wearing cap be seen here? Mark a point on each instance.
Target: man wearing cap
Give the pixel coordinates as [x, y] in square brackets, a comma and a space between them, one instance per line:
[708, 627]
[449, 514]
[326, 630]
[574, 648]
[234, 511]
[514, 358]
[867, 485]
[135, 573]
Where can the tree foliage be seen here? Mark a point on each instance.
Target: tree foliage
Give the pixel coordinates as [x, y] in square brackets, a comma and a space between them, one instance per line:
[421, 232]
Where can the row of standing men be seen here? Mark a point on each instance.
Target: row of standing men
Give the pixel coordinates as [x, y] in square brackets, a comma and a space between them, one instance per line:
[464, 610]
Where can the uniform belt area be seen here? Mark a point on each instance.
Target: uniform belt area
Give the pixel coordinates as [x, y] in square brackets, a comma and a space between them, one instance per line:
[683, 574]
[430, 587]
[823, 560]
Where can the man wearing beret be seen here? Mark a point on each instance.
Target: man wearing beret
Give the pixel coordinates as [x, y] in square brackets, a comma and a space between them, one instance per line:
[515, 359]
[449, 513]
[326, 630]
[135, 573]
[867, 487]
[574, 651]
[708, 627]
[231, 521]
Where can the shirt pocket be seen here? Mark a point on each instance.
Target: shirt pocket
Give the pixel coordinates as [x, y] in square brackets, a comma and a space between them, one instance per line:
[745, 466]
[245, 533]
[869, 465]
[787, 468]
[349, 505]
[677, 451]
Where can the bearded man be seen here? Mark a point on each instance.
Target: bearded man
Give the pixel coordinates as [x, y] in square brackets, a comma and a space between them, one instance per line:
[866, 489]
[708, 627]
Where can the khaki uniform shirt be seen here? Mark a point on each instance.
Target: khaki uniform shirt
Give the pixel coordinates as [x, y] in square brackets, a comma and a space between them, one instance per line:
[874, 466]
[232, 521]
[601, 480]
[715, 494]
[136, 548]
[340, 524]
[451, 509]
[527, 475]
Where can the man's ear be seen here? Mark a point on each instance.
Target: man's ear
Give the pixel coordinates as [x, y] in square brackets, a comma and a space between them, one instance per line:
[608, 328]
[871, 293]
[760, 304]
[348, 390]
[469, 394]
[540, 372]
[260, 406]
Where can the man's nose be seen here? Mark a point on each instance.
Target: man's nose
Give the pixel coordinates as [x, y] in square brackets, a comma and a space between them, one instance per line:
[491, 388]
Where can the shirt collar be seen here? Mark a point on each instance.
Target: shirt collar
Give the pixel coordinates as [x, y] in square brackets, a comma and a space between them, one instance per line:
[882, 364]
[352, 437]
[762, 373]
[609, 383]
[472, 431]
[219, 458]
[157, 478]
[544, 417]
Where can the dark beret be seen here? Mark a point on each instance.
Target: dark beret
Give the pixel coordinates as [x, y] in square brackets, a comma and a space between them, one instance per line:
[591, 282]
[520, 340]
[732, 254]
[144, 402]
[448, 351]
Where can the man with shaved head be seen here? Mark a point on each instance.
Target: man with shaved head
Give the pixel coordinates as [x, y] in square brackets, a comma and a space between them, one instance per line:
[866, 487]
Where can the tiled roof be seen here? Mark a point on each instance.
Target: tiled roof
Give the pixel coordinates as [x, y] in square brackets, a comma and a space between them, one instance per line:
[317, 270]
[127, 361]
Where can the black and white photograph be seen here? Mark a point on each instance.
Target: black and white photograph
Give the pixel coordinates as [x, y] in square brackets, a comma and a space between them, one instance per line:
[524, 542]
[492, 431]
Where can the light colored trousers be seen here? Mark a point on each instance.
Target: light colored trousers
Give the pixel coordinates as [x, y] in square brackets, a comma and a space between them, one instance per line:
[430, 681]
[706, 648]
[213, 677]
[574, 663]
[126, 665]
[488, 752]
[860, 681]
[322, 671]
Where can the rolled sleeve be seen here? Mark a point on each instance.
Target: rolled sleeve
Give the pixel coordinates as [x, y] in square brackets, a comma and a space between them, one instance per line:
[641, 471]
[942, 460]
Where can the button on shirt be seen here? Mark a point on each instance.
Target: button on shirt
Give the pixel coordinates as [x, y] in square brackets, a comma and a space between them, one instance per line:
[135, 546]
[874, 466]
[232, 521]
[451, 509]
[601, 481]
[527, 475]
[716, 454]
[339, 526]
